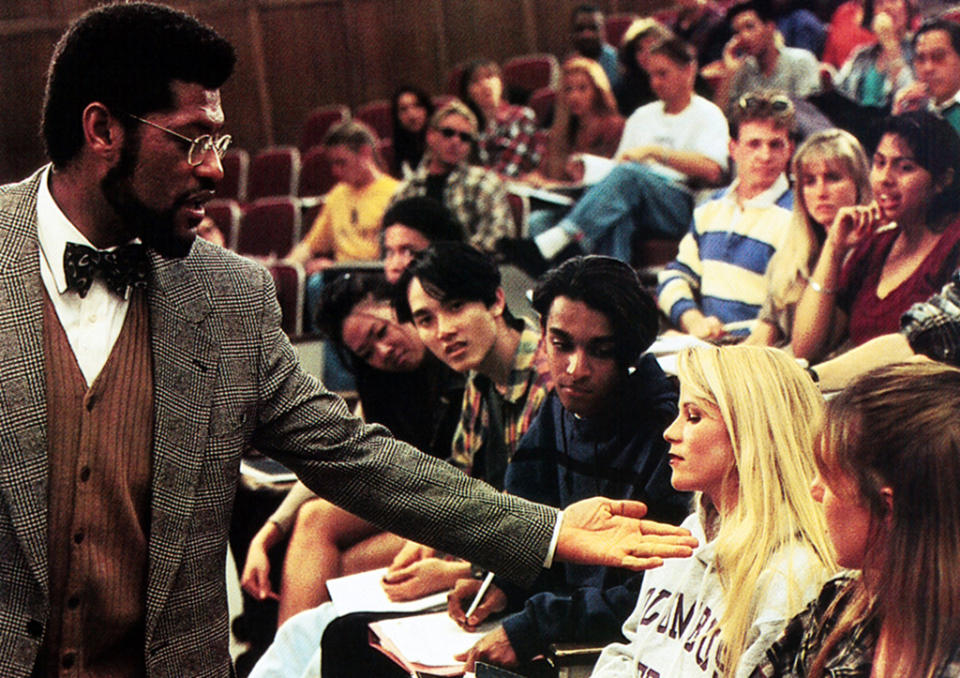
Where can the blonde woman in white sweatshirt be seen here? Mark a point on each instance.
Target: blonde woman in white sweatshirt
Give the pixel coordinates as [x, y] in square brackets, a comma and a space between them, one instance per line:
[744, 442]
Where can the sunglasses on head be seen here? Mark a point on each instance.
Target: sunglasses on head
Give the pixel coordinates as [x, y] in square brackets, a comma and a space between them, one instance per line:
[450, 133]
[776, 104]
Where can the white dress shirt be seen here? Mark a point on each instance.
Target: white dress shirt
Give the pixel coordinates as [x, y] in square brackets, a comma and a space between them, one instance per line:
[93, 323]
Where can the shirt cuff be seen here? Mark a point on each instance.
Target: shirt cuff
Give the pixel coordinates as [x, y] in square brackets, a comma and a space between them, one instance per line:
[552, 550]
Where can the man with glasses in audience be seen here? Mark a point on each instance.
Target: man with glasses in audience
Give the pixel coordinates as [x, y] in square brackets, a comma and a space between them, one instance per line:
[936, 63]
[139, 362]
[477, 197]
[716, 284]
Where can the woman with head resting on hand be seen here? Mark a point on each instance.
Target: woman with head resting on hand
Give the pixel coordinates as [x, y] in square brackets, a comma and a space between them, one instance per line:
[831, 172]
[744, 442]
[889, 481]
[879, 260]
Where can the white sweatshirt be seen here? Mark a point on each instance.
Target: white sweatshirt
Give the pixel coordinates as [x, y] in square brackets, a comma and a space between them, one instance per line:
[674, 631]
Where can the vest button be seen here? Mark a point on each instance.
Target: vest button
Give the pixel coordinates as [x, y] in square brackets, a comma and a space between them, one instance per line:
[73, 602]
[85, 474]
[35, 628]
[78, 537]
[68, 660]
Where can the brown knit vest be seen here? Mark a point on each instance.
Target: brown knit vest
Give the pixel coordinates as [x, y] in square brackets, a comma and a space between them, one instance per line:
[99, 446]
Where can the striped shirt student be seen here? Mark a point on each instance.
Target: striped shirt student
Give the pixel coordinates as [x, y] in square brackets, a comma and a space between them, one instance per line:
[721, 262]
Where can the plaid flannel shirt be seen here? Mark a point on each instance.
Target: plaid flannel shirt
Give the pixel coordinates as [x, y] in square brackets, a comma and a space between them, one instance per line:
[511, 144]
[933, 326]
[477, 198]
[527, 388]
[792, 655]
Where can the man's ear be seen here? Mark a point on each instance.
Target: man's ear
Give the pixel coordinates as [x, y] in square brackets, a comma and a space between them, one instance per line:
[102, 132]
[499, 304]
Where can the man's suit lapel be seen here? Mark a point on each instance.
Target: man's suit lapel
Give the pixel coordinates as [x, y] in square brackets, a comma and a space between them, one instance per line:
[184, 371]
[23, 415]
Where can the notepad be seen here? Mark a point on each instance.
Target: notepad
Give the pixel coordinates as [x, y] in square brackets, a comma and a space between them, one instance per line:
[363, 592]
[427, 642]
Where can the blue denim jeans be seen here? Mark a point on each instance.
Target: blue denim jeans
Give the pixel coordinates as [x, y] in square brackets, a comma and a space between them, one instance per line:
[632, 202]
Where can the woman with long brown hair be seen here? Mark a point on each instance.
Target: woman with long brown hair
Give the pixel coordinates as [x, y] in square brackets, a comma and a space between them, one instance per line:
[889, 482]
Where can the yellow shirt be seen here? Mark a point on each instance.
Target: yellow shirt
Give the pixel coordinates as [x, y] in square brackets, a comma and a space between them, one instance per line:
[348, 226]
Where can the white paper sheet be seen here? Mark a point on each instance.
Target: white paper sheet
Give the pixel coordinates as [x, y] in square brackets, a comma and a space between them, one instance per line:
[428, 639]
[363, 593]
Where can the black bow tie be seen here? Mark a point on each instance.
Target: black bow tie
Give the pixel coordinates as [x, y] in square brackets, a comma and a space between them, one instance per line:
[123, 267]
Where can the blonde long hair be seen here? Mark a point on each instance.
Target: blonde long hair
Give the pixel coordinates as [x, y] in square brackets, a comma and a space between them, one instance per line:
[565, 126]
[772, 412]
[790, 267]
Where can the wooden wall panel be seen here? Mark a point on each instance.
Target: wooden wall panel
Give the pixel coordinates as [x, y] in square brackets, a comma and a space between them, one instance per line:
[22, 75]
[307, 63]
[420, 55]
[484, 28]
[295, 55]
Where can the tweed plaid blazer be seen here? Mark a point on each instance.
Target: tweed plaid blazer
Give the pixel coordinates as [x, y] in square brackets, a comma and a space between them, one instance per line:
[225, 378]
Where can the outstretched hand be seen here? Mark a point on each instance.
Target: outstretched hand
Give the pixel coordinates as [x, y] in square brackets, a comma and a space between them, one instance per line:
[610, 532]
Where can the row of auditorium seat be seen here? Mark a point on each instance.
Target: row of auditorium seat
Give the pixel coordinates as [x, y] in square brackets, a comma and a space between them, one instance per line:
[523, 76]
[269, 227]
[277, 171]
[266, 202]
[530, 79]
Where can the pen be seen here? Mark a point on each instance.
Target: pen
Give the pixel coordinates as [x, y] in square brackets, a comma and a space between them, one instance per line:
[480, 594]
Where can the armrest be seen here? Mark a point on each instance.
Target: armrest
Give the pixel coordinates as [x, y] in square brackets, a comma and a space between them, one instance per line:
[573, 660]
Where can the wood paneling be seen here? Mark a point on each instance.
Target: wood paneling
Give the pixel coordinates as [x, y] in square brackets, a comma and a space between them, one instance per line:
[295, 55]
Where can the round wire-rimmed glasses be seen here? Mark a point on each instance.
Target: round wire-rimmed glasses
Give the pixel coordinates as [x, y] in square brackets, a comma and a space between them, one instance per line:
[199, 147]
